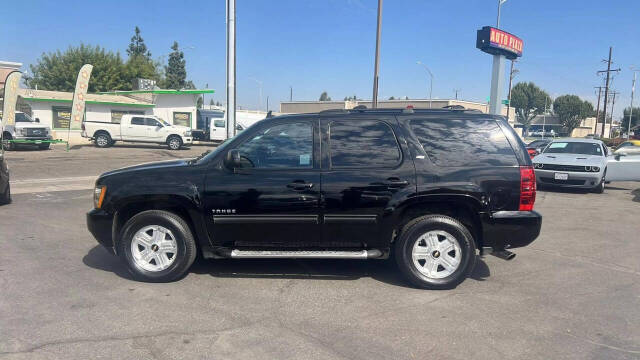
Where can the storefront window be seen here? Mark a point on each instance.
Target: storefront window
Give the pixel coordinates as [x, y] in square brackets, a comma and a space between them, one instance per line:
[61, 117]
[116, 115]
[182, 119]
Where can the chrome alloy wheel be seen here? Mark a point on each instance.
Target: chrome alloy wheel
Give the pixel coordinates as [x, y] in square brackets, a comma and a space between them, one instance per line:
[174, 143]
[102, 141]
[436, 254]
[154, 248]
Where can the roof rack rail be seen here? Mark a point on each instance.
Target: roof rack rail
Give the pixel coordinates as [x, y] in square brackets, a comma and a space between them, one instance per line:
[454, 107]
[334, 111]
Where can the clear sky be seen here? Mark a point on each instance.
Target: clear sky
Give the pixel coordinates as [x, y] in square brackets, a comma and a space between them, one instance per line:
[328, 45]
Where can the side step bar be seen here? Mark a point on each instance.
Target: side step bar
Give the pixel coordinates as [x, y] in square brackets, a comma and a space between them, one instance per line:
[502, 254]
[306, 254]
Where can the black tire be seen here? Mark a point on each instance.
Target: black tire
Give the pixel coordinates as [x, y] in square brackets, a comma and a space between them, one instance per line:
[8, 146]
[5, 198]
[44, 146]
[174, 142]
[412, 232]
[186, 246]
[102, 139]
[599, 189]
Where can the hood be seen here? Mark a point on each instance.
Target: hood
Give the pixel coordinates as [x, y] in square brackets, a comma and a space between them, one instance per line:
[180, 127]
[147, 167]
[569, 159]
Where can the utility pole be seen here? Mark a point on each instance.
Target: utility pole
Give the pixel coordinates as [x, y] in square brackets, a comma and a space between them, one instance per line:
[267, 103]
[290, 93]
[374, 101]
[512, 74]
[606, 88]
[633, 90]
[595, 127]
[456, 91]
[231, 68]
[613, 104]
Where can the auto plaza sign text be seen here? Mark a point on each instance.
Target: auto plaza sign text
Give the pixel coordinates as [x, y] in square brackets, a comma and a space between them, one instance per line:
[497, 42]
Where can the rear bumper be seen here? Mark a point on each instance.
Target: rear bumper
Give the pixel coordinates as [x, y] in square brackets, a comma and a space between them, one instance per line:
[100, 224]
[510, 229]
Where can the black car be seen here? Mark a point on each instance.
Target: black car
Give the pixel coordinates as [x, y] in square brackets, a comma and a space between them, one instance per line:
[5, 188]
[430, 187]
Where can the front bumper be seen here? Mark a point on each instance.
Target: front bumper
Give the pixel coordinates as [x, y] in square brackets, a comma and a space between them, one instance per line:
[584, 180]
[100, 225]
[187, 140]
[32, 138]
[510, 229]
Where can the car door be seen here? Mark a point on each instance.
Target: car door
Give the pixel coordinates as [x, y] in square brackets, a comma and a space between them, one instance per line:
[272, 199]
[624, 166]
[218, 129]
[365, 169]
[155, 130]
[136, 130]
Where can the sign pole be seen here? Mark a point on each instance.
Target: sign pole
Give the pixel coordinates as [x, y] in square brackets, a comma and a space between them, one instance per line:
[231, 68]
[497, 74]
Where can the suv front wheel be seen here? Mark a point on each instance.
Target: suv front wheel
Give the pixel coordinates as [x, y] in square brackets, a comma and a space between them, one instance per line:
[157, 246]
[435, 252]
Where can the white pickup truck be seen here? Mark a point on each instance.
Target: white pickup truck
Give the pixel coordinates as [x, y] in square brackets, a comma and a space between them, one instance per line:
[26, 128]
[137, 128]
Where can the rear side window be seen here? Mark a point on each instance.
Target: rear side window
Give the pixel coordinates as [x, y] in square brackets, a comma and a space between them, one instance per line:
[362, 144]
[137, 121]
[462, 143]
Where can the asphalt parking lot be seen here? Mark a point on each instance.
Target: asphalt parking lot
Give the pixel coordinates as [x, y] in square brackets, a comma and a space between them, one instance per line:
[573, 294]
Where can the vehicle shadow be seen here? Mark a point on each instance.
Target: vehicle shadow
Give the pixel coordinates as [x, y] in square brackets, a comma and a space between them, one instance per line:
[305, 269]
[636, 195]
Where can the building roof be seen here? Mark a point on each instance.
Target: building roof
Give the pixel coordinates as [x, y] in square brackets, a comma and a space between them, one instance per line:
[67, 97]
[159, 91]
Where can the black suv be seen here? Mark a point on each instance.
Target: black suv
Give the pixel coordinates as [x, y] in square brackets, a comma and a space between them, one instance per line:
[431, 187]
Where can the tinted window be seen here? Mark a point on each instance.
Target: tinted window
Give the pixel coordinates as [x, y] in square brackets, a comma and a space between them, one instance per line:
[151, 122]
[219, 123]
[362, 144]
[280, 146]
[456, 142]
[137, 121]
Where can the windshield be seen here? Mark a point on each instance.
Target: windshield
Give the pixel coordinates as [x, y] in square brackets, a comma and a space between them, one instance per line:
[22, 117]
[566, 147]
[162, 121]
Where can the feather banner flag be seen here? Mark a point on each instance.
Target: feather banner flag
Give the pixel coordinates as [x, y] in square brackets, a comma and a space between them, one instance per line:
[79, 95]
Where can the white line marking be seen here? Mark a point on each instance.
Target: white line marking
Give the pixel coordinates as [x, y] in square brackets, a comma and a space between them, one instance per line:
[52, 184]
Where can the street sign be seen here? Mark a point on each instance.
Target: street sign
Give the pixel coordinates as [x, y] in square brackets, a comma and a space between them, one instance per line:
[505, 102]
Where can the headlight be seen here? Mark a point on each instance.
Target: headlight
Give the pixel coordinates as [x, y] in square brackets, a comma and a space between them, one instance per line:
[595, 169]
[21, 131]
[587, 168]
[98, 196]
[187, 133]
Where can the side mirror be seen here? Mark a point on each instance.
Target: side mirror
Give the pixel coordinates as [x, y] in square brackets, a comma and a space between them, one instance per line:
[37, 120]
[233, 159]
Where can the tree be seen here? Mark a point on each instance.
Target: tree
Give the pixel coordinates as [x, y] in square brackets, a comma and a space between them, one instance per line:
[199, 102]
[137, 47]
[175, 71]
[324, 96]
[58, 70]
[635, 118]
[211, 102]
[571, 110]
[392, 98]
[529, 101]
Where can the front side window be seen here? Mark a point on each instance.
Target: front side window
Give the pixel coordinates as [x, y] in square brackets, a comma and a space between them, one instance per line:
[137, 121]
[279, 146]
[464, 143]
[370, 144]
[22, 117]
[219, 123]
[152, 122]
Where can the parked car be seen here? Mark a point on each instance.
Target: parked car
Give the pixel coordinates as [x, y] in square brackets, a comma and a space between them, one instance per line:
[26, 128]
[628, 143]
[137, 128]
[582, 163]
[535, 147]
[433, 185]
[5, 187]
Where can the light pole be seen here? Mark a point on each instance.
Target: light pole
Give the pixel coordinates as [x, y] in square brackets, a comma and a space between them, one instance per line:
[497, 74]
[500, 2]
[633, 90]
[374, 100]
[431, 82]
[260, 87]
[231, 68]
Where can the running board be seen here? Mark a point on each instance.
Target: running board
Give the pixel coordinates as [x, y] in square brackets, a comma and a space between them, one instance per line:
[306, 254]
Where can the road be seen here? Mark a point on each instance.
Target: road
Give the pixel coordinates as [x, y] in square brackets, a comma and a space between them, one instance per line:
[573, 294]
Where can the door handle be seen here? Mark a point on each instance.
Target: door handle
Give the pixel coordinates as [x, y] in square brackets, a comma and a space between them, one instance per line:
[395, 182]
[299, 185]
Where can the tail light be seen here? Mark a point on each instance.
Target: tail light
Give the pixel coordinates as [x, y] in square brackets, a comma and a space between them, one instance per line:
[527, 188]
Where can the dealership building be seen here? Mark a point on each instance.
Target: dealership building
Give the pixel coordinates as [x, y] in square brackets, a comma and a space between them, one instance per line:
[53, 108]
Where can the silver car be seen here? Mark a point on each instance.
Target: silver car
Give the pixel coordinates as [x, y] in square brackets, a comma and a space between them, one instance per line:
[583, 163]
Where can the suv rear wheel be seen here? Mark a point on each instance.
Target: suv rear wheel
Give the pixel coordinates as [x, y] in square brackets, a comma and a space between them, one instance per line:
[157, 246]
[435, 252]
